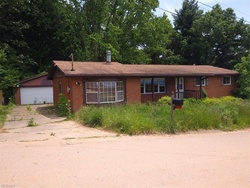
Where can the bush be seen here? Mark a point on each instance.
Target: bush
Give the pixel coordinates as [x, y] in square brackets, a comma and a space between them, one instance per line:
[63, 106]
[164, 100]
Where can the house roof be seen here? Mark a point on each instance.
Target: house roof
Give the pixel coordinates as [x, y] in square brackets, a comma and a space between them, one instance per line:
[117, 69]
[37, 81]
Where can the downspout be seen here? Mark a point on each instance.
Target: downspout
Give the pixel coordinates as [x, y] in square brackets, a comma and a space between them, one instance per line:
[178, 89]
[69, 91]
[152, 87]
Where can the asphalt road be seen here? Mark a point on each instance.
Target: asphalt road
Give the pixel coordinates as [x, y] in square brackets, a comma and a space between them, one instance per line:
[65, 154]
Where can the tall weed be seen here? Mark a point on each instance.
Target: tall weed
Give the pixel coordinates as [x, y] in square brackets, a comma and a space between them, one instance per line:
[4, 110]
[226, 114]
[63, 106]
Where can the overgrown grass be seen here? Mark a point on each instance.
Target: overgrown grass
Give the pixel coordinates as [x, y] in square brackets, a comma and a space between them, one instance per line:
[227, 113]
[4, 110]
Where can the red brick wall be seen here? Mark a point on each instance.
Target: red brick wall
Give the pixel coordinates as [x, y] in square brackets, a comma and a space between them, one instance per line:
[64, 82]
[133, 90]
[170, 81]
[152, 98]
[76, 93]
[213, 87]
[18, 97]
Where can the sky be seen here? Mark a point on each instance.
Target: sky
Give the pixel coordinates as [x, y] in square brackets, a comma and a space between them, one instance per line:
[241, 7]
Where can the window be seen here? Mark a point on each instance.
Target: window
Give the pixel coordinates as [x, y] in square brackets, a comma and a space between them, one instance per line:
[159, 85]
[59, 87]
[197, 82]
[104, 92]
[119, 91]
[226, 80]
[92, 92]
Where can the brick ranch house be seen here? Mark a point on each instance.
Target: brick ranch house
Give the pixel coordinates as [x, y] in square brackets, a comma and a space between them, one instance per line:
[101, 82]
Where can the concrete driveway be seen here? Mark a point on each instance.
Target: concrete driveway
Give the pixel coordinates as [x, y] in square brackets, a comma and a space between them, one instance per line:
[60, 153]
[49, 126]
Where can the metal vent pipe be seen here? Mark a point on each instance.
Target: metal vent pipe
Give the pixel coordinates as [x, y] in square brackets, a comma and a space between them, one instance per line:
[108, 56]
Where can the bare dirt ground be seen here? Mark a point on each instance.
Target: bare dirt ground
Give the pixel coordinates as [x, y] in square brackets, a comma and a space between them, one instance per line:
[59, 153]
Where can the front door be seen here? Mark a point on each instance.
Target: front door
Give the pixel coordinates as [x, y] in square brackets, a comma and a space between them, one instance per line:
[179, 87]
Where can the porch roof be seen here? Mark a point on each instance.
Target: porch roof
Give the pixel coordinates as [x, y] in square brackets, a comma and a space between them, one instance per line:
[97, 69]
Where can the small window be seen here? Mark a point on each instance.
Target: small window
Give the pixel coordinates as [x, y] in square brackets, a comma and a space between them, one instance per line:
[148, 86]
[197, 82]
[92, 92]
[159, 85]
[226, 80]
[60, 87]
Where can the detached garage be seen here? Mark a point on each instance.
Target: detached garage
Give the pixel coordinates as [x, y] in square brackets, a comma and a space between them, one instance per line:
[36, 90]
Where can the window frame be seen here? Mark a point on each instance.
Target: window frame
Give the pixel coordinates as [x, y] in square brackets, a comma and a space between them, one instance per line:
[204, 82]
[93, 90]
[147, 88]
[59, 87]
[226, 83]
[107, 92]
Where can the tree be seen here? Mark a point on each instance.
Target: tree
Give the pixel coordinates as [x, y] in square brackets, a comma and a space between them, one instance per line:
[126, 27]
[244, 68]
[14, 64]
[185, 43]
[155, 41]
[223, 36]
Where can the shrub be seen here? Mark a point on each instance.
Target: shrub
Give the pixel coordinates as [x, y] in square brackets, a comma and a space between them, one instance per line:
[164, 100]
[63, 106]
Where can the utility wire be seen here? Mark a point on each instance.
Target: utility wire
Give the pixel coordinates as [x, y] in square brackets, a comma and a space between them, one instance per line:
[220, 3]
[165, 10]
[234, 9]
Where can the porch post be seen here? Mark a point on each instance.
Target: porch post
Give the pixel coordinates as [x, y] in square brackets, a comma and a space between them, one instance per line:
[152, 87]
[178, 89]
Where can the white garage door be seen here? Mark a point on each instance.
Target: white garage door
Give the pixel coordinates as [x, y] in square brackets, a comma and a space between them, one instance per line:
[36, 95]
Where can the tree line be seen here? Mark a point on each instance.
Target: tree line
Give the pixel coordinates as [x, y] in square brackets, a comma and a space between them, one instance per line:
[35, 32]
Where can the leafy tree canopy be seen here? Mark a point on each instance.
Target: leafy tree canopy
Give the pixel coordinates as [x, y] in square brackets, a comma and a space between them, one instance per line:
[34, 32]
[244, 80]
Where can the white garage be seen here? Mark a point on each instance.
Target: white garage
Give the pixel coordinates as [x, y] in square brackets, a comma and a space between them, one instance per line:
[36, 90]
[36, 95]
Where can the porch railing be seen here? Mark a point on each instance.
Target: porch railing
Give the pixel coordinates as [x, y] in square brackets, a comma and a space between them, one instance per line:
[188, 94]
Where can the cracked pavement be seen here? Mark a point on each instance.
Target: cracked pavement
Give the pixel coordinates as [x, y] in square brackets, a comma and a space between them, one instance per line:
[49, 126]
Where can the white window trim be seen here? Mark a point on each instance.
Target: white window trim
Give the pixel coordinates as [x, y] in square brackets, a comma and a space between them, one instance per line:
[230, 80]
[204, 82]
[98, 93]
